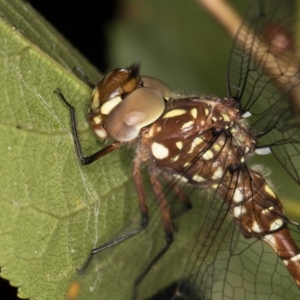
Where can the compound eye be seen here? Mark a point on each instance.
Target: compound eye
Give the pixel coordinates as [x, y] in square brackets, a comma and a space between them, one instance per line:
[141, 108]
[157, 85]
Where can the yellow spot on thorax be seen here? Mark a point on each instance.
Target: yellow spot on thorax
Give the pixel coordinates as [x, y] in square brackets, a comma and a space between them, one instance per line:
[174, 113]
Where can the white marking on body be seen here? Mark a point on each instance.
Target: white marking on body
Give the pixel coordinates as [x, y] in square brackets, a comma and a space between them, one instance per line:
[218, 173]
[225, 117]
[206, 112]
[276, 224]
[187, 125]
[196, 141]
[159, 151]
[179, 177]
[269, 191]
[198, 178]
[187, 164]
[285, 262]
[214, 119]
[239, 210]
[202, 123]
[263, 151]
[271, 240]
[179, 145]
[194, 113]
[267, 210]
[208, 155]
[174, 113]
[217, 147]
[247, 114]
[175, 158]
[296, 257]
[256, 228]
[214, 186]
[237, 196]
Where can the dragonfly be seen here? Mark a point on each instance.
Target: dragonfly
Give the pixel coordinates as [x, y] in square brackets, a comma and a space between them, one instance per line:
[206, 142]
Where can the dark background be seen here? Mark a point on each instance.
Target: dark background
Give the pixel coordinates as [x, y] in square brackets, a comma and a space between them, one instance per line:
[83, 23]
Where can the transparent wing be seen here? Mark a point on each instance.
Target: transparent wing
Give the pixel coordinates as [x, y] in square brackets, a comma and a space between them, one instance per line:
[264, 60]
[225, 265]
[280, 131]
[264, 76]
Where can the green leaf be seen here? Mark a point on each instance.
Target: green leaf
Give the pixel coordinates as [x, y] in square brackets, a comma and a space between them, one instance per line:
[53, 210]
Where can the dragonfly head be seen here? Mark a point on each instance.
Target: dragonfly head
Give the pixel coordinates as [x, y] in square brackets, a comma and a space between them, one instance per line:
[124, 102]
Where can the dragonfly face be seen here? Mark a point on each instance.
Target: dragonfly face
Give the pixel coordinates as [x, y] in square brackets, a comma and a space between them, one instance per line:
[205, 142]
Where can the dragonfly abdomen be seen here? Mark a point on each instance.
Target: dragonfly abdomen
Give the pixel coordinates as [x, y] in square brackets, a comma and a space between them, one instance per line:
[260, 214]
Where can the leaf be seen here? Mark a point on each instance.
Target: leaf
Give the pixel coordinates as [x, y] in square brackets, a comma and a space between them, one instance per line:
[53, 210]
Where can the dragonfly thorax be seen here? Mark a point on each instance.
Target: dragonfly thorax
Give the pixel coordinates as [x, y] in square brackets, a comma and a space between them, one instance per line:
[197, 139]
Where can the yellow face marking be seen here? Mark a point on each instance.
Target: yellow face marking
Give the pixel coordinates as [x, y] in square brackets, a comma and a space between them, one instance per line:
[187, 125]
[194, 113]
[225, 117]
[101, 133]
[174, 113]
[218, 173]
[179, 145]
[97, 120]
[179, 177]
[198, 178]
[95, 99]
[206, 112]
[269, 191]
[159, 151]
[208, 155]
[237, 196]
[238, 211]
[109, 105]
[276, 224]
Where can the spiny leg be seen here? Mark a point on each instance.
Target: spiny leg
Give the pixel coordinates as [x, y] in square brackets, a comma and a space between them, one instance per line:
[85, 160]
[157, 188]
[136, 176]
[144, 217]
